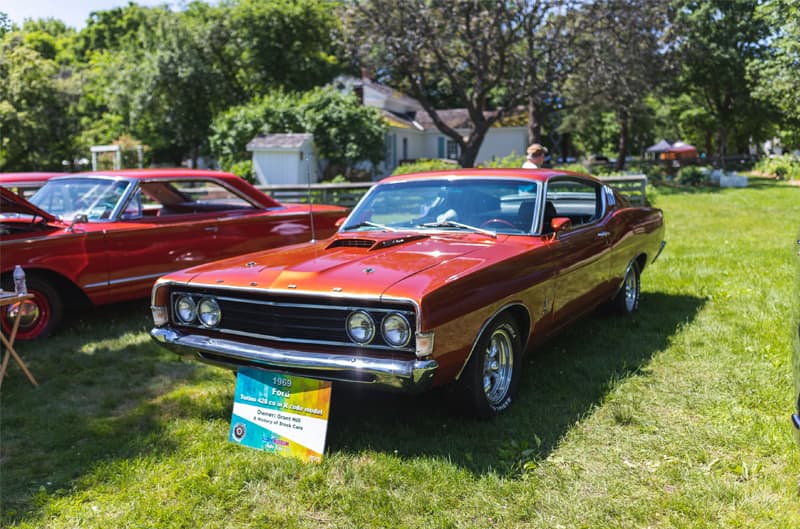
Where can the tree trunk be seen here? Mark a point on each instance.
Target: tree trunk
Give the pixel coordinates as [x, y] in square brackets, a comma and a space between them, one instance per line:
[720, 148]
[534, 126]
[622, 148]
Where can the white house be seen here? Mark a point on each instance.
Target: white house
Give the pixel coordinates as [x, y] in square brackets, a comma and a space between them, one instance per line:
[412, 134]
[284, 159]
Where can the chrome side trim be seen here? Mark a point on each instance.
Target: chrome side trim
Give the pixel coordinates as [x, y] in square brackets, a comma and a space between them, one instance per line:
[406, 375]
[124, 280]
[485, 325]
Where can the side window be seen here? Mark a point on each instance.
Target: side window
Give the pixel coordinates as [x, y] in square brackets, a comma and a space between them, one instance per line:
[133, 209]
[579, 200]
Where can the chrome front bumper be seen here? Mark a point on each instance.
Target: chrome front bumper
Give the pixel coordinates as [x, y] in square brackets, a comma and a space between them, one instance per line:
[411, 375]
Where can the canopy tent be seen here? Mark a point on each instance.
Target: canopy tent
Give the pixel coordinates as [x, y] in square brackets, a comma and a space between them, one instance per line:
[661, 146]
[679, 150]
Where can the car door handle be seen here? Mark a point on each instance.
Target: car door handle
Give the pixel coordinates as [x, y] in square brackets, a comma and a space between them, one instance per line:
[604, 234]
[212, 229]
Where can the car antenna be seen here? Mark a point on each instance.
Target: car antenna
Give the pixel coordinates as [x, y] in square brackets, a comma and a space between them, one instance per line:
[310, 200]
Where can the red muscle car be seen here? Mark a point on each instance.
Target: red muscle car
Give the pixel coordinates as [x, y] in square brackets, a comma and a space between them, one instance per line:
[106, 237]
[434, 278]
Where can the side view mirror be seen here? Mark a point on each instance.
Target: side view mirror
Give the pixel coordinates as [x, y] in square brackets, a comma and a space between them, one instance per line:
[340, 222]
[80, 218]
[559, 224]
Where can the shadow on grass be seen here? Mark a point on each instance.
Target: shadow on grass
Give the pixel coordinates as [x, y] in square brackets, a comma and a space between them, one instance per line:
[563, 381]
[107, 393]
[100, 399]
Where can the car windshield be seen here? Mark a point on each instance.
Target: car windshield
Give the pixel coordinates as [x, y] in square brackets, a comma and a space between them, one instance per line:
[94, 197]
[492, 205]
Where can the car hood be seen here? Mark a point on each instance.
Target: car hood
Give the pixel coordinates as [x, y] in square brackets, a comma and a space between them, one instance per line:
[350, 264]
[13, 203]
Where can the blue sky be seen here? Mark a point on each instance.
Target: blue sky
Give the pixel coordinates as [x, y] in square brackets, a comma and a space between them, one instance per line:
[72, 12]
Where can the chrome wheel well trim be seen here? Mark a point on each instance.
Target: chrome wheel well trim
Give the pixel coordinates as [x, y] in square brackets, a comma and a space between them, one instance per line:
[491, 319]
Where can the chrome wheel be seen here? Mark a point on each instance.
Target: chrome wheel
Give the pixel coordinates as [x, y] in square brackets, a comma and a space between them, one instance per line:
[627, 300]
[491, 377]
[631, 290]
[498, 366]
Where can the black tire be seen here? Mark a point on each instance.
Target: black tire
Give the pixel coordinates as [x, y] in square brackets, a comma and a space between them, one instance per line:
[490, 379]
[41, 315]
[626, 301]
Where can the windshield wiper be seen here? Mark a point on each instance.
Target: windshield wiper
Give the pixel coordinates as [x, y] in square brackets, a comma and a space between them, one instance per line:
[370, 224]
[454, 224]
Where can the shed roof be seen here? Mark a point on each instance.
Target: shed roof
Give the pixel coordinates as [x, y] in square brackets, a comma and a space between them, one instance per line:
[288, 141]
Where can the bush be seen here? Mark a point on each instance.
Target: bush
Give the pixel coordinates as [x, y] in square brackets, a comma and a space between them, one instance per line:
[512, 161]
[421, 166]
[244, 170]
[780, 167]
[690, 175]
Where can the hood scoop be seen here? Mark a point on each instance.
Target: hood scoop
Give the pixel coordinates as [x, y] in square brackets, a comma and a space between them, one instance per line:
[351, 243]
[374, 245]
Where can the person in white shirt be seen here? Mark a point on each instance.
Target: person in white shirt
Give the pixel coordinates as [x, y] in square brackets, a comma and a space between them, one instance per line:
[535, 157]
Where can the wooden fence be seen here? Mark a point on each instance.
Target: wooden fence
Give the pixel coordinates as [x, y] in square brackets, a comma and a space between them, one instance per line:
[632, 186]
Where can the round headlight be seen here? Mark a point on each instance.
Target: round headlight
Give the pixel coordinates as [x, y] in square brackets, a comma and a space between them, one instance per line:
[185, 309]
[360, 327]
[396, 330]
[208, 312]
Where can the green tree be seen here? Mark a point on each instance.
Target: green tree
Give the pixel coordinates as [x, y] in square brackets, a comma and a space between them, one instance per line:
[719, 39]
[345, 131]
[777, 73]
[468, 44]
[36, 126]
[626, 46]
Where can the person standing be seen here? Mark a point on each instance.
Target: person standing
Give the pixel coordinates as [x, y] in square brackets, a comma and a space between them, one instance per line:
[535, 156]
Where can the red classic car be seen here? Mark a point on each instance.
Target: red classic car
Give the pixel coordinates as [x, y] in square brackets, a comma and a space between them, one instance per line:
[25, 184]
[106, 237]
[433, 278]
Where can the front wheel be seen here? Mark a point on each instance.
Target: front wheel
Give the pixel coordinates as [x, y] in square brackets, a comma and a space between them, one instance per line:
[40, 315]
[491, 377]
[627, 299]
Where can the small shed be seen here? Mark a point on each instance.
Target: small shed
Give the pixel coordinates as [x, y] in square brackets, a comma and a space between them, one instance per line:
[284, 159]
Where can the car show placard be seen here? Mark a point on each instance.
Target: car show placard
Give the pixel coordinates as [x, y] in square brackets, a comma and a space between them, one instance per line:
[282, 414]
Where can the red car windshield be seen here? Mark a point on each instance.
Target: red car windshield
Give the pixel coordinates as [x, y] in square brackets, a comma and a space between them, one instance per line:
[96, 198]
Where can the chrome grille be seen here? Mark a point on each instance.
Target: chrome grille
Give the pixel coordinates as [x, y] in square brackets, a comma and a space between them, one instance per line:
[311, 321]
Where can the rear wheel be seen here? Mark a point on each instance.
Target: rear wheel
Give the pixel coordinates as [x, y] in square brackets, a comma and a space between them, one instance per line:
[490, 379]
[40, 315]
[627, 299]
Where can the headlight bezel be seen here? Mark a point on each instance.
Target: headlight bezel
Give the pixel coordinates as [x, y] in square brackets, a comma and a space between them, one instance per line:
[408, 332]
[179, 316]
[209, 300]
[367, 317]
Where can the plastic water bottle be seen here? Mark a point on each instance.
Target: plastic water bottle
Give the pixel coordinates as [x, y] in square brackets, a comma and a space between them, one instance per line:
[19, 281]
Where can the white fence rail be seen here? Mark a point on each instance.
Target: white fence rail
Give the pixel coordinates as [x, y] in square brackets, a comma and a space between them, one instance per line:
[632, 186]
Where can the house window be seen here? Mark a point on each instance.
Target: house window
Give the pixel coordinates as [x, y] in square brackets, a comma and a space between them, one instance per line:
[452, 150]
[405, 148]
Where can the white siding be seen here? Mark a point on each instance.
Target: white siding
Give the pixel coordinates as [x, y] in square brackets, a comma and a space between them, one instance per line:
[284, 167]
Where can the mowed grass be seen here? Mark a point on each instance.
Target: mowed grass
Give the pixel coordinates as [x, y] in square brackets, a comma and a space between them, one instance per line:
[676, 417]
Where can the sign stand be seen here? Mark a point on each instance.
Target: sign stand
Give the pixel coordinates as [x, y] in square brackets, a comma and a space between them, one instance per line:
[8, 343]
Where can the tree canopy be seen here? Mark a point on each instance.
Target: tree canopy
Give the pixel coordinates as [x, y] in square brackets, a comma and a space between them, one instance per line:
[612, 75]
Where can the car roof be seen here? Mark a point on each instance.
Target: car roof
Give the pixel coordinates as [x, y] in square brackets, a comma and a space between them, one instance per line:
[182, 174]
[149, 174]
[538, 175]
[7, 178]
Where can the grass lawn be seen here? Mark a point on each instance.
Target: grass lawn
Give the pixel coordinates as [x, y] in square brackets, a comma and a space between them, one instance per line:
[677, 417]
